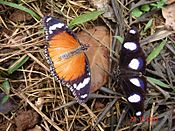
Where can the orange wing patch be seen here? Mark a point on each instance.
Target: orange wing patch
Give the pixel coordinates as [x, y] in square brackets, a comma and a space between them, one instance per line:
[63, 40]
[71, 68]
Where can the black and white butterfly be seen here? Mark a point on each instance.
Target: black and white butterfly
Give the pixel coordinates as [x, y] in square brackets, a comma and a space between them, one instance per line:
[132, 64]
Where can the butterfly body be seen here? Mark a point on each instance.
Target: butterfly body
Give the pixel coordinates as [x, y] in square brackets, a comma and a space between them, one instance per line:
[132, 66]
[65, 55]
[73, 52]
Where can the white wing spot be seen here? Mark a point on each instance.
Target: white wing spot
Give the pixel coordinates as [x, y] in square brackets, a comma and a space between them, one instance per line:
[83, 96]
[135, 98]
[55, 26]
[134, 64]
[75, 85]
[83, 84]
[67, 84]
[50, 31]
[48, 19]
[130, 46]
[132, 32]
[139, 113]
[71, 88]
[135, 81]
[47, 37]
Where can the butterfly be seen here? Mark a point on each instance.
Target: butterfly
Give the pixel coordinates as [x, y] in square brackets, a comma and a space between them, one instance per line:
[67, 59]
[132, 64]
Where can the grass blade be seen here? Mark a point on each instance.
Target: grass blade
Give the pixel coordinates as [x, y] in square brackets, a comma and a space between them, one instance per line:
[17, 64]
[148, 25]
[119, 38]
[6, 86]
[157, 82]
[85, 17]
[20, 7]
[156, 51]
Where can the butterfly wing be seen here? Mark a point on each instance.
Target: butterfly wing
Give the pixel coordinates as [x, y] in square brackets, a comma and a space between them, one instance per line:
[73, 71]
[131, 54]
[134, 90]
[132, 67]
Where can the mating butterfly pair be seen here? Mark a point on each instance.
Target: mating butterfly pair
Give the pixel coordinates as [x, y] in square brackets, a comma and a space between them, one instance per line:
[69, 64]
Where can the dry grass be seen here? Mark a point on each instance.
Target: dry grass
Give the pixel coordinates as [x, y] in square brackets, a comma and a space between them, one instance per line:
[35, 89]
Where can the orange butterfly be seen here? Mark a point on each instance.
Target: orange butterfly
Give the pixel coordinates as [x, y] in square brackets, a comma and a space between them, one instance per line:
[65, 55]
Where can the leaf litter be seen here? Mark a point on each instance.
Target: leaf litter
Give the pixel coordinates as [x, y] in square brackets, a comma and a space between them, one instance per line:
[32, 84]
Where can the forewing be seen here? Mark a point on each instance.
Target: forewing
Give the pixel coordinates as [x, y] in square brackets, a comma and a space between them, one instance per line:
[131, 54]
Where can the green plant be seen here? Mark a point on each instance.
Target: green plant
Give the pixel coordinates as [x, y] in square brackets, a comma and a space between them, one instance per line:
[137, 12]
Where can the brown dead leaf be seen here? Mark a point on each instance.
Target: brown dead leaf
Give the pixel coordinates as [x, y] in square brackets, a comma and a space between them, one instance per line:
[99, 105]
[104, 5]
[170, 1]
[169, 15]
[26, 120]
[36, 128]
[98, 55]
[19, 16]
